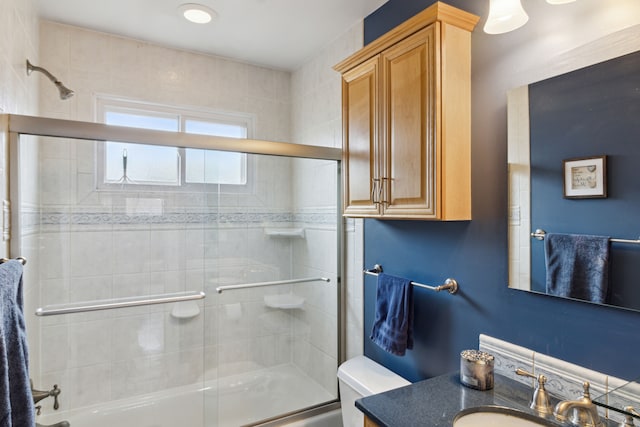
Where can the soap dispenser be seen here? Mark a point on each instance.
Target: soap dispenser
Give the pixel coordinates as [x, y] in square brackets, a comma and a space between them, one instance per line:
[540, 401]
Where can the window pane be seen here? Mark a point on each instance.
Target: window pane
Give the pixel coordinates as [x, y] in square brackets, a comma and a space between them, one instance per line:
[142, 121]
[217, 129]
[141, 164]
[215, 167]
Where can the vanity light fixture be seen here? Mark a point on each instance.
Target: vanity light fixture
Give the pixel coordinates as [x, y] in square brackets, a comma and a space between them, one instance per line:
[509, 15]
[197, 13]
[505, 16]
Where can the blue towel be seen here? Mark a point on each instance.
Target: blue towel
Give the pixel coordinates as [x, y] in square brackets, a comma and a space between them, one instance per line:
[393, 326]
[577, 266]
[16, 404]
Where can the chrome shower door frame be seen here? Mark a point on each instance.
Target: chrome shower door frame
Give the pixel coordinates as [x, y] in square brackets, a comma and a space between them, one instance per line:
[13, 125]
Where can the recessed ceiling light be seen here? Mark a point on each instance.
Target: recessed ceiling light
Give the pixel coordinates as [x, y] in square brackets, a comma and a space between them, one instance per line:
[197, 13]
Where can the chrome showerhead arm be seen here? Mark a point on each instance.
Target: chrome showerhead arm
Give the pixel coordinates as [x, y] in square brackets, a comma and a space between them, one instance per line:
[65, 92]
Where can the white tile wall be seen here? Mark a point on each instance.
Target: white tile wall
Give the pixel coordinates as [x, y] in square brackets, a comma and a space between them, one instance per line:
[19, 95]
[111, 349]
[519, 189]
[140, 349]
[317, 120]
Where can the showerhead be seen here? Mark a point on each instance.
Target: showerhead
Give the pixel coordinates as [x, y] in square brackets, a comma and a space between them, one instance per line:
[65, 92]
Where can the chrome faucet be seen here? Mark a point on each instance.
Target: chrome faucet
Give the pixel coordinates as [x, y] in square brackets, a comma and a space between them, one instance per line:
[581, 412]
[38, 395]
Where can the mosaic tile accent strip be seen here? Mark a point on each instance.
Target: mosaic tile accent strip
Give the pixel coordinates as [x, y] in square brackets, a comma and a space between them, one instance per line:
[115, 218]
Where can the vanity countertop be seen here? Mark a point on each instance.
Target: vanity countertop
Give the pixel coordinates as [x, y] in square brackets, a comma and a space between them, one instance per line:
[436, 401]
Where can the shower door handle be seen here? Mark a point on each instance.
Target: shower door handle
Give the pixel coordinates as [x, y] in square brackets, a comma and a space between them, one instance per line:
[220, 289]
[109, 304]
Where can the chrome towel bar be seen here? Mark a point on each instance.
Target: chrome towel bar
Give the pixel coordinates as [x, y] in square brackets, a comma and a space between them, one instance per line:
[220, 289]
[108, 304]
[539, 235]
[450, 284]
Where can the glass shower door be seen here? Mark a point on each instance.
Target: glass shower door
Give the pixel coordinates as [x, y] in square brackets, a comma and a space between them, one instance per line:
[114, 259]
[275, 292]
[265, 347]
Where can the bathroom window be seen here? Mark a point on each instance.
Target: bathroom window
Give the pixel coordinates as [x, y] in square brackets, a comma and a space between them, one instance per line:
[125, 164]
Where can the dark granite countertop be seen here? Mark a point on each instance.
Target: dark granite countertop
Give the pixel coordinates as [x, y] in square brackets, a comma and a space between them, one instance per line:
[436, 401]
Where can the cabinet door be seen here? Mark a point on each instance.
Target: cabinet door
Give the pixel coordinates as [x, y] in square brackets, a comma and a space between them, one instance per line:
[369, 423]
[410, 75]
[362, 189]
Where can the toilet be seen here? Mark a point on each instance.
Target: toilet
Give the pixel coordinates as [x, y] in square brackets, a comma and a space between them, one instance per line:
[360, 377]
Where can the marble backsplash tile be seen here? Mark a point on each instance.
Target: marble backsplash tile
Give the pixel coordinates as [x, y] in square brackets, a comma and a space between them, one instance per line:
[564, 380]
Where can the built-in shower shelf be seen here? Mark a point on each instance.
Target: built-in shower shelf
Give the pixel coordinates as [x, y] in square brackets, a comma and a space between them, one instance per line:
[291, 233]
[284, 301]
[185, 310]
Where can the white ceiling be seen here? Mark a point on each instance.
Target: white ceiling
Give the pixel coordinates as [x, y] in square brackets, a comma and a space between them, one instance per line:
[280, 34]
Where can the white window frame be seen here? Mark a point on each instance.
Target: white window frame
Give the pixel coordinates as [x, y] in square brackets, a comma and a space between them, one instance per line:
[183, 114]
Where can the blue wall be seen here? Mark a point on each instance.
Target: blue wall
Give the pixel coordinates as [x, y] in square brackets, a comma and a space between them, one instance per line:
[475, 252]
[589, 112]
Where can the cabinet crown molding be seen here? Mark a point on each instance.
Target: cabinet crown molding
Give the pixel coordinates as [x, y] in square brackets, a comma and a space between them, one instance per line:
[437, 12]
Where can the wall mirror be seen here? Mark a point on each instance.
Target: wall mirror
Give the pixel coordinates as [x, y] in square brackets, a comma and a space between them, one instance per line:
[590, 113]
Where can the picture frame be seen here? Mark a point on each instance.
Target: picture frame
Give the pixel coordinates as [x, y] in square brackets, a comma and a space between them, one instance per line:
[585, 177]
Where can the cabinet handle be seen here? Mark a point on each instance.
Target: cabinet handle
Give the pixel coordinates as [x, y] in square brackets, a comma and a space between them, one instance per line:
[375, 183]
[385, 193]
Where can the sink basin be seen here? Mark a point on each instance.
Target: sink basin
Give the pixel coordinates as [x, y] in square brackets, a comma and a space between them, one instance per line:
[497, 416]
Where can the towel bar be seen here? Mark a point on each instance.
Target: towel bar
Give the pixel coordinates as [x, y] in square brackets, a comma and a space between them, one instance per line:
[539, 235]
[450, 284]
[22, 260]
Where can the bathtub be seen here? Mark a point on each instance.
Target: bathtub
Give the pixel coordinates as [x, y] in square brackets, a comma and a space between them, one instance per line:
[227, 402]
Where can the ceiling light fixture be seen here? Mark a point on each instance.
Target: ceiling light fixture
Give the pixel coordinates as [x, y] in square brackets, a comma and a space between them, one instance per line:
[559, 1]
[197, 13]
[505, 16]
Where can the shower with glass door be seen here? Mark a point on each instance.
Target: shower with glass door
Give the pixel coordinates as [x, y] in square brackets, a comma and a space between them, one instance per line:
[199, 303]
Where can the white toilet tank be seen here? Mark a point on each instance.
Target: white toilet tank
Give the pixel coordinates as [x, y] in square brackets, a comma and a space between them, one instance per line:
[360, 377]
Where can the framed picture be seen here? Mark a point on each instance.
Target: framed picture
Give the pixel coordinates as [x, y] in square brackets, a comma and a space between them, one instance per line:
[585, 177]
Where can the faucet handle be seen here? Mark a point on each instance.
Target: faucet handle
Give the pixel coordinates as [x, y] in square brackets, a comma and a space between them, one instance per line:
[585, 388]
[541, 378]
[540, 401]
[55, 393]
[628, 418]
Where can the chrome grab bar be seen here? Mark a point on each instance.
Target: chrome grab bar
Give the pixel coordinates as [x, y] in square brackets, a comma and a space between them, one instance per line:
[108, 304]
[220, 289]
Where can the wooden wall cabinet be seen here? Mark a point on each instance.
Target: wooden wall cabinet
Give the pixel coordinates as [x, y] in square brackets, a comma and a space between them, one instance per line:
[406, 103]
